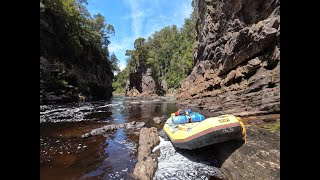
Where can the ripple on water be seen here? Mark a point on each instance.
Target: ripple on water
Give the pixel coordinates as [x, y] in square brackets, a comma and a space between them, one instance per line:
[63, 155]
[121, 158]
[56, 113]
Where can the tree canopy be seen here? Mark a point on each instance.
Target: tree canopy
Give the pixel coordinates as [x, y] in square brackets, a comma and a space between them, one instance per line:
[168, 51]
[71, 37]
[77, 34]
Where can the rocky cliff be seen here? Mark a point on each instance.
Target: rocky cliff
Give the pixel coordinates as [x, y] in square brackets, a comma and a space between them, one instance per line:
[237, 57]
[143, 83]
[69, 72]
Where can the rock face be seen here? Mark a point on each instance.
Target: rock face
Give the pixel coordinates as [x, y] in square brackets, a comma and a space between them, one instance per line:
[237, 57]
[113, 127]
[142, 83]
[146, 164]
[61, 84]
[259, 158]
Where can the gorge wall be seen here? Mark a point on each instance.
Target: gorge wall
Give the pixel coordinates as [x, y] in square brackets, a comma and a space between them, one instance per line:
[237, 57]
[143, 83]
[69, 72]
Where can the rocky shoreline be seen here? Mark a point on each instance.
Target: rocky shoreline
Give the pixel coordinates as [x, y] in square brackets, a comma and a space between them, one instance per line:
[258, 158]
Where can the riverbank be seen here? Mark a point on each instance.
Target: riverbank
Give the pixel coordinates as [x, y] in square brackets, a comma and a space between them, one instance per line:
[113, 152]
[257, 158]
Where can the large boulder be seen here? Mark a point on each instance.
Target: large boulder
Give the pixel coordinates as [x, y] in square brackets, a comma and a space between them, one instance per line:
[258, 159]
[147, 163]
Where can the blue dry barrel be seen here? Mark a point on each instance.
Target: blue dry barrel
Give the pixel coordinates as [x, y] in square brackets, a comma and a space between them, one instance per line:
[180, 119]
[196, 117]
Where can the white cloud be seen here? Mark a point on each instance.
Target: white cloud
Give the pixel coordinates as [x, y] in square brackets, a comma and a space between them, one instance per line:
[186, 9]
[138, 15]
[155, 24]
[148, 16]
[122, 66]
[117, 46]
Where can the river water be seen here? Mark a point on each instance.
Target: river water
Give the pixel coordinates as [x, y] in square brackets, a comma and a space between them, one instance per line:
[64, 155]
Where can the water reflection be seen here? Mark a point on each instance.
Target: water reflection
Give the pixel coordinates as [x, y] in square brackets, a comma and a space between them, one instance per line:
[63, 155]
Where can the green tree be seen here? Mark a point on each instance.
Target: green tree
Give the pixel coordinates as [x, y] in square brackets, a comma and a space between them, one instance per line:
[114, 63]
[168, 51]
[68, 33]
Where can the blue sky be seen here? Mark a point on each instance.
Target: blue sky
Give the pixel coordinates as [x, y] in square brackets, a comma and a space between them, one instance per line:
[138, 18]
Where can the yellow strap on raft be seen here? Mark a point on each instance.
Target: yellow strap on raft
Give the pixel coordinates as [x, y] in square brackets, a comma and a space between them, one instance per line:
[185, 126]
[244, 131]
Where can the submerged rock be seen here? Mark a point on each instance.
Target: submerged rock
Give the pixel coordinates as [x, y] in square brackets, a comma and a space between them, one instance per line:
[113, 127]
[158, 120]
[147, 163]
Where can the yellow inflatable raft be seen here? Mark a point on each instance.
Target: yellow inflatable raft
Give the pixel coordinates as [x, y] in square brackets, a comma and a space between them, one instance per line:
[209, 131]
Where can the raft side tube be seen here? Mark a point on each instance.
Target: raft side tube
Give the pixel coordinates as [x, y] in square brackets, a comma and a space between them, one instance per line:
[209, 138]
